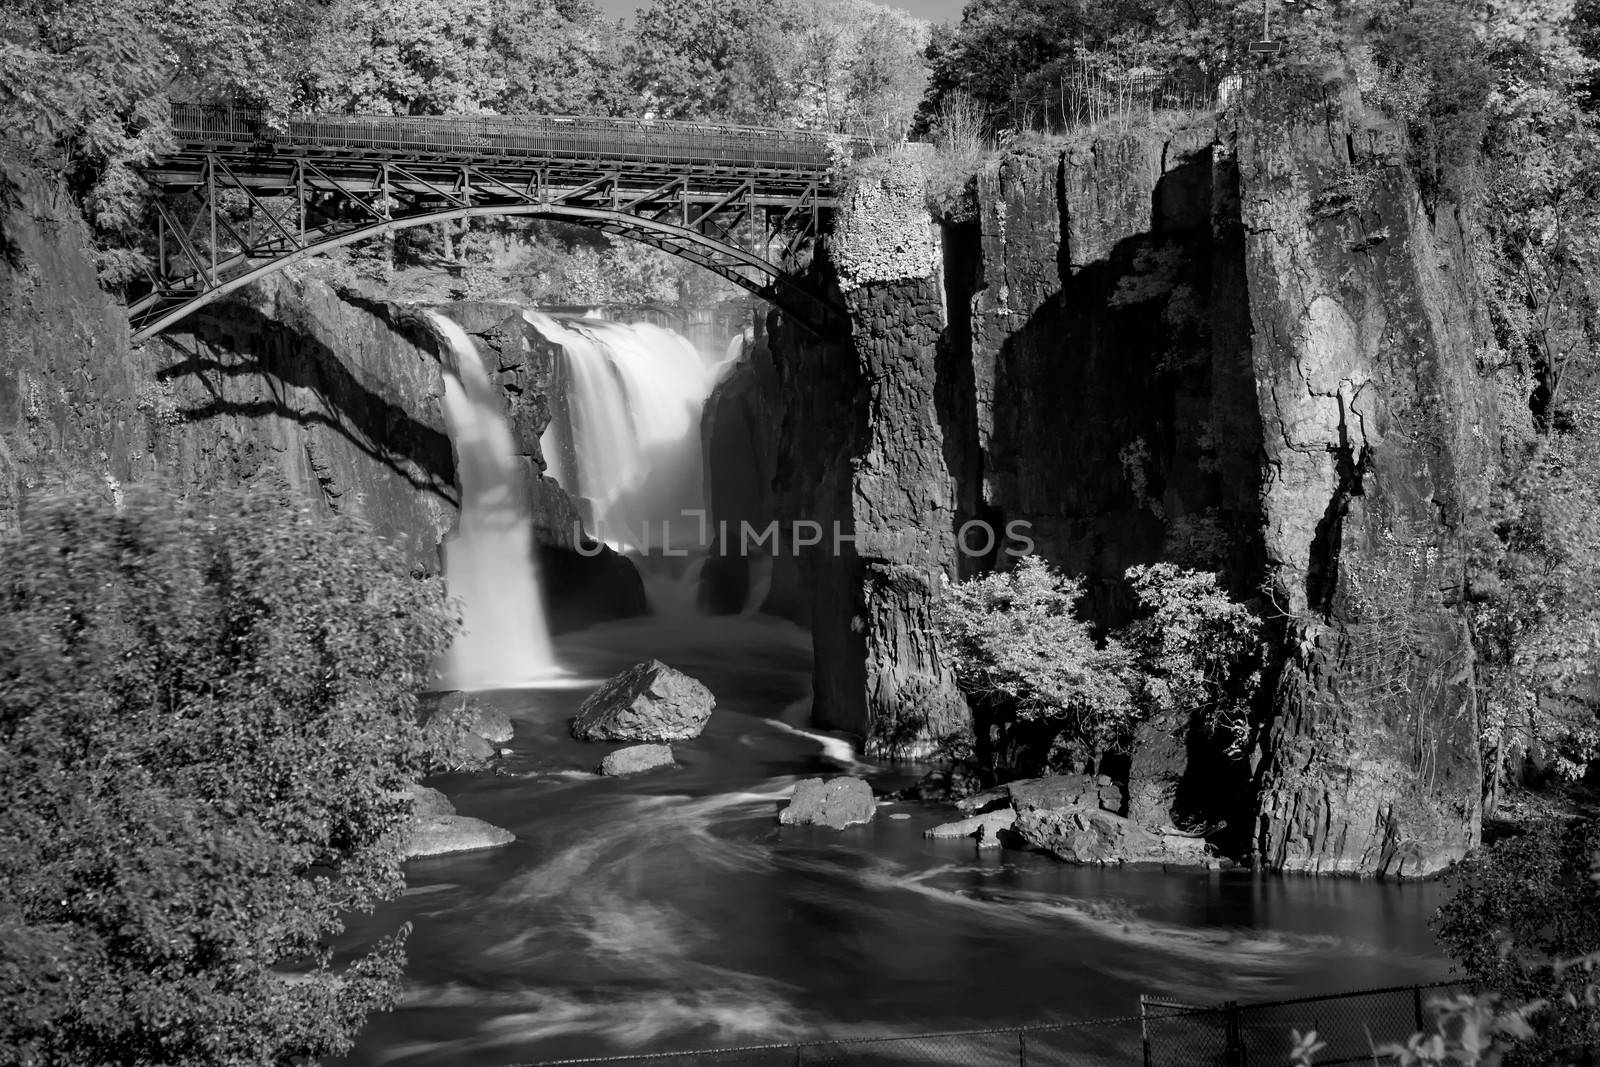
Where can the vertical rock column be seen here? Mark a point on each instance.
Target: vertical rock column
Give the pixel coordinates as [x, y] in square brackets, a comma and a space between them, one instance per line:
[895, 492]
[1377, 454]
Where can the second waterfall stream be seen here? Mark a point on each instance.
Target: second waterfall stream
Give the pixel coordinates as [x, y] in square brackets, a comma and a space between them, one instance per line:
[624, 441]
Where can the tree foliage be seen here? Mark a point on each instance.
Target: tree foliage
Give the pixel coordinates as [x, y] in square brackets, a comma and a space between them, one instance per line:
[1016, 638]
[206, 722]
[1523, 920]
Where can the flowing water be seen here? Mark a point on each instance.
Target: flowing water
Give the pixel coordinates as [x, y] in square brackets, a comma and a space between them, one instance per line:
[671, 911]
[488, 561]
[624, 441]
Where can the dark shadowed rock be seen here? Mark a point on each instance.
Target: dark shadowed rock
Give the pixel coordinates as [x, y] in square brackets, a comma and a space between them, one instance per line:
[836, 803]
[437, 835]
[647, 702]
[635, 759]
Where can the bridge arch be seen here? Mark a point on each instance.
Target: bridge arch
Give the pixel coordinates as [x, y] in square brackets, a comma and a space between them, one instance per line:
[238, 201]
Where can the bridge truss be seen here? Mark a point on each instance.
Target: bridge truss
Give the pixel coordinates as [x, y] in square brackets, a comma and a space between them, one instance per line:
[239, 200]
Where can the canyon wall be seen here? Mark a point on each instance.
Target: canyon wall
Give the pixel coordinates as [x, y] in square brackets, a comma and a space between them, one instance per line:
[1244, 346]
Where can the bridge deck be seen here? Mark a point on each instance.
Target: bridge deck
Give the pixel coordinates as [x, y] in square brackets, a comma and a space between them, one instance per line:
[633, 144]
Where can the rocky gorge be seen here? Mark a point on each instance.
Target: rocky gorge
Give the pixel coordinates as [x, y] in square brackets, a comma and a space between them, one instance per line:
[1243, 343]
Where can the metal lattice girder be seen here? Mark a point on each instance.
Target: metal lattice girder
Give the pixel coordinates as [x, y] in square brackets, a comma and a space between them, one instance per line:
[236, 201]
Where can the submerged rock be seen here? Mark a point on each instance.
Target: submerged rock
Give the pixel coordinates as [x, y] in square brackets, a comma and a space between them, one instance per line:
[438, 835]
[836, 803]
[987, 827]
[647, 702]
[636, 759]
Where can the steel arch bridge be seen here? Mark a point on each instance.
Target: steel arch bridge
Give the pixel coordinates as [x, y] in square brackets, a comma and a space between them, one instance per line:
[239, 199]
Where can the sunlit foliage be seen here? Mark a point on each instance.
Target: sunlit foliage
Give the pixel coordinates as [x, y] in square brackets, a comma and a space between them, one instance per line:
[206, 724]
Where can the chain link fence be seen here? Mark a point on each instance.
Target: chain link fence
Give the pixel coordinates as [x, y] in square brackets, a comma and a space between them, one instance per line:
[1163, 1034]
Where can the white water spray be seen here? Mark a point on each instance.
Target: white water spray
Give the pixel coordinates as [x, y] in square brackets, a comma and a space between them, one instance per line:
[488, 562]
[624, 441]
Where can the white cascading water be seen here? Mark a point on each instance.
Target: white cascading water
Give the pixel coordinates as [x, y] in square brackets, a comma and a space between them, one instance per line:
[488, 562]
[624, 441]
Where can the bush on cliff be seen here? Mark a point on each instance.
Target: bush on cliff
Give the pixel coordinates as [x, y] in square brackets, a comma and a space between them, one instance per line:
[1018, 641]
[206, 725]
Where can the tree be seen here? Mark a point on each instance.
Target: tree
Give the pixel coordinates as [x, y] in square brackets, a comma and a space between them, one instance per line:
[557, 57]
[1016, 638]
[1020, 647]
[711, 59]
[1199, 652]
[206, 725]
[403, 57]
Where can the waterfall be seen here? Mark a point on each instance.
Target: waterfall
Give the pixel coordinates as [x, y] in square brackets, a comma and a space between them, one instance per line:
[624, 441]
[489, 565]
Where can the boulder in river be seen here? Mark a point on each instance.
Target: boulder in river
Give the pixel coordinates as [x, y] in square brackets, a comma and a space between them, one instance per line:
[437, 835]
[836, 803]
[436, 829]
[635, 759]
[647, 702]
[986, 827]
[1066, 815]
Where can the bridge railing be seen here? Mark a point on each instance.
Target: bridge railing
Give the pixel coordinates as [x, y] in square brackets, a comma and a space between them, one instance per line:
[535, 136]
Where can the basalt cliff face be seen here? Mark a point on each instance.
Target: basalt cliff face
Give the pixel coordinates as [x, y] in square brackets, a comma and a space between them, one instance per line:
[288, 383]
[1247, 347]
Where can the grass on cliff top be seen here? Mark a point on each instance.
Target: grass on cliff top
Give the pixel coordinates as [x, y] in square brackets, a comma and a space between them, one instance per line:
[963, 150]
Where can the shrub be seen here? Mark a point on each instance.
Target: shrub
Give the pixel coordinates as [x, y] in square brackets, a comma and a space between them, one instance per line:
[205, 729]
[1523, 920]
[1198, 651]
[1017, 640]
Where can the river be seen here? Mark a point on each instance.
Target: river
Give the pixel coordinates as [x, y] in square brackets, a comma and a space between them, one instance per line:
[671, 911]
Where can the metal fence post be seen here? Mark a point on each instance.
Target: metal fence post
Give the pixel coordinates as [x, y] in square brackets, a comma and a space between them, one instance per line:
[1022, 1048]
[1144, 1028]
[1416, 1004]
[799, 1054]
[1233, 1054]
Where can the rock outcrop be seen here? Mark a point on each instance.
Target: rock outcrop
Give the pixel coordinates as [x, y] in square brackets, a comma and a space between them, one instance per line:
[1380, 440]
[835, 803]
[636, 759]
[1068, 817]
[864, 440]
[647, 702]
